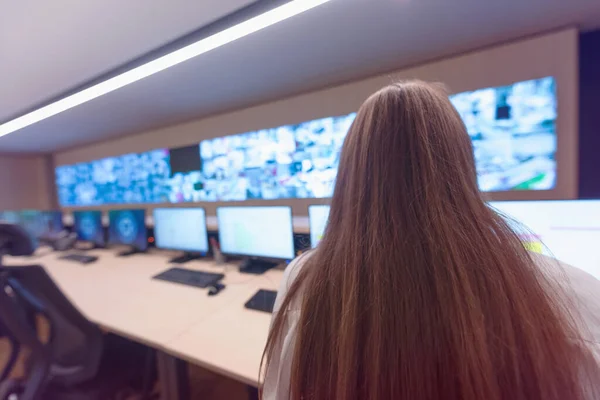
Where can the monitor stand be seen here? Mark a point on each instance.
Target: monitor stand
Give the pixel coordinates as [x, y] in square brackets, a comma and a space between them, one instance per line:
[87, 247]
[256, 267]
[185, 257]
[129, 252]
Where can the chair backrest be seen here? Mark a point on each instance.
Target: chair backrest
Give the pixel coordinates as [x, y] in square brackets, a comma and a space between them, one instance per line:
[74, 348]
[15, 241]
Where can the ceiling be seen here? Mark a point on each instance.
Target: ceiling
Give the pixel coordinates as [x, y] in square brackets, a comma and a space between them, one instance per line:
[48, 48]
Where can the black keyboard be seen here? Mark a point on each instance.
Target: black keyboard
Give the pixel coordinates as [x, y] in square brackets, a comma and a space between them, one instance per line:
[263, 300]
[80, 258]
[189, 277]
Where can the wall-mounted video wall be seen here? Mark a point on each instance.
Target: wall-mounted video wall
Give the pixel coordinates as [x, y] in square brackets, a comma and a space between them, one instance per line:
[513, 129]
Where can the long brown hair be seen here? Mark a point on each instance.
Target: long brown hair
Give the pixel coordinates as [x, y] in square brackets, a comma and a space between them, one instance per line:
[418, 290]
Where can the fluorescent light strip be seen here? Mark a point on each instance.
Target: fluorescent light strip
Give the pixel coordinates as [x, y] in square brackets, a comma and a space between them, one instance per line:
[202, 46]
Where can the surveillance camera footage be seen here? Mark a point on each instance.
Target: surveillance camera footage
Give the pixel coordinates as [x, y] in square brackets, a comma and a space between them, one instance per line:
[131, 178]
[293, 161]
[513, 129]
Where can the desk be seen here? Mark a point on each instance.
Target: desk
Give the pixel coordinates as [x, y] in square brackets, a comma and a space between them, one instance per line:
[232, 340]
[118, 294]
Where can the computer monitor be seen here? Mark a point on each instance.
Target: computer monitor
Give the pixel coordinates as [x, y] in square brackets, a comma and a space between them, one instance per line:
[181, 229]
[317, 221]
[128, 227]
[259, 233]
[88, 227]
[9, 217]
[53, 221]
[39, 223]
[567, 230]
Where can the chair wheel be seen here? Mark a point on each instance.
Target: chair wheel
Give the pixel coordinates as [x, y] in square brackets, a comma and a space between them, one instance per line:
[11, 389]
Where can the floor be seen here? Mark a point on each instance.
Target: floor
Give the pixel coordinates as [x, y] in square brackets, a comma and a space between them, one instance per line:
[204, 384]
[207, 385]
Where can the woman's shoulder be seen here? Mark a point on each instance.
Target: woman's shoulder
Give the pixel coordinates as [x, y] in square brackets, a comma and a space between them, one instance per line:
[582, 291]
[574, 280]
[289, 276]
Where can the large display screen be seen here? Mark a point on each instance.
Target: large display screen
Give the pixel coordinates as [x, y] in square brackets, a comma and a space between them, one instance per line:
[256, 231]
[128, 227]
[181, 229]
[513, 130]
[131, 178]
[293, 161]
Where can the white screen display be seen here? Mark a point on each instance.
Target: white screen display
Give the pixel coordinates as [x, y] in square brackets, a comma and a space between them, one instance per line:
[181, 229]
[317, 221]
[566, 230]
[256, 231]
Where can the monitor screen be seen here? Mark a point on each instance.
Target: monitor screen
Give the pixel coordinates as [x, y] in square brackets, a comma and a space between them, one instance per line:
[290, 161]
[39, 223]
[568, 230]
[185, 183]
[128, 227]
[317, 221]
[513, 130]
[181, 229]
[129, 178]
[10, 217]
[88, 226]
[256, 231]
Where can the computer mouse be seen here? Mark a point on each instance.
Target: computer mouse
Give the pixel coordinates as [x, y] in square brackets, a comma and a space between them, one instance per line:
[215, 289]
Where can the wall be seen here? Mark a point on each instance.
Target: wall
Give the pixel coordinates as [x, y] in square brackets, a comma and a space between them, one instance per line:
[589, 115]
[553, 54]
[27, 182]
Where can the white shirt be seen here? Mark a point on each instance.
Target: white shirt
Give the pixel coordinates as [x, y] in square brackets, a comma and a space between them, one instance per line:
[583, 289]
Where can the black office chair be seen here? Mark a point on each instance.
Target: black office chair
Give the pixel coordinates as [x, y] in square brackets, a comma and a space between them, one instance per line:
[76, 361]
[73, 351]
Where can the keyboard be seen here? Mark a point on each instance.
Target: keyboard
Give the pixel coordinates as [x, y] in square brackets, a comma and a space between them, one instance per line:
[189, 277]
[263, 300]
[80, 258]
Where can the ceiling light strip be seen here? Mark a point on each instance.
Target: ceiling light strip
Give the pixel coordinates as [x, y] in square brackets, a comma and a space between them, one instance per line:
[202, 46]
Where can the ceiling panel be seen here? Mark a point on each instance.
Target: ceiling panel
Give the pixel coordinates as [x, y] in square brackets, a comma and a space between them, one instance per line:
[334, 43]
[48, 47]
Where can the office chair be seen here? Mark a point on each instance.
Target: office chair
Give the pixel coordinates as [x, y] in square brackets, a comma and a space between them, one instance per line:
[76, 361]
[73, 350]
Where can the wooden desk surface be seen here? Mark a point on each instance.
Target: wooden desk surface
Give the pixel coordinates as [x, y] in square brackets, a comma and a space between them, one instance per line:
[118, 294]
[232, 340]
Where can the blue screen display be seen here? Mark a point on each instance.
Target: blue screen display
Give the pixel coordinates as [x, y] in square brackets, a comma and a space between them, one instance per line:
[37, 223]
[88, 226]
[513, 129]
[10, 217]
[131, 178]
[128, 227]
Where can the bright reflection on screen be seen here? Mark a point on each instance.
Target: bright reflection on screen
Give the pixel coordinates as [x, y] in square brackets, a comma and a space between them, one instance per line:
[566, 230]
[181, 229]
[256, 231]
[317, 221]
